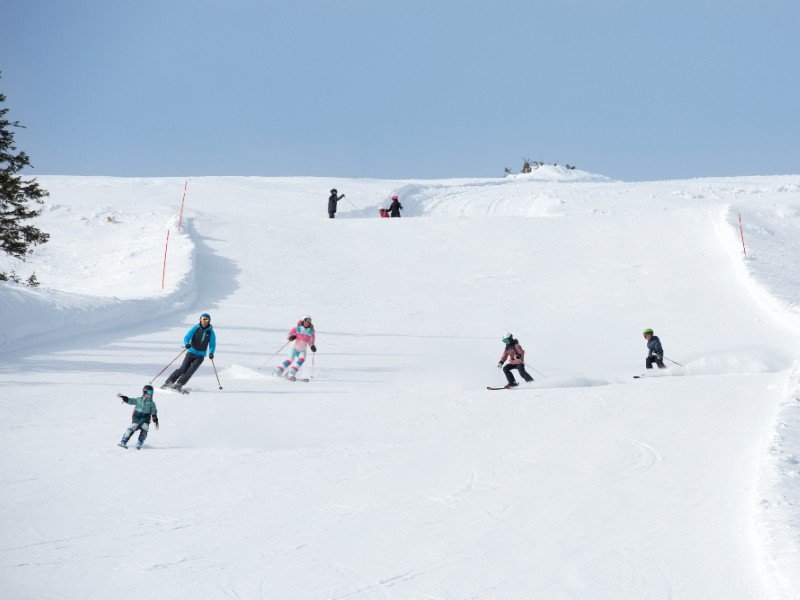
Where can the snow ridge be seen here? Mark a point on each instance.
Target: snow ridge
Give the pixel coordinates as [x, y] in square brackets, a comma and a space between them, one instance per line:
[769, 272]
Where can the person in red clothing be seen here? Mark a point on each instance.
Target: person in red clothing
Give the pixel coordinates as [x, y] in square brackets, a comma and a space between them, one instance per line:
[516, 360]
[384, 212]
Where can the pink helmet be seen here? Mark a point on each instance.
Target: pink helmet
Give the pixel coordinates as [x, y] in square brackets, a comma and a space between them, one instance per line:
[394, 197]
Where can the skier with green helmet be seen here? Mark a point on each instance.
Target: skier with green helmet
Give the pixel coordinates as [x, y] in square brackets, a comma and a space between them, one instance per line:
[145, 410]
[655, 351]
[516, 360]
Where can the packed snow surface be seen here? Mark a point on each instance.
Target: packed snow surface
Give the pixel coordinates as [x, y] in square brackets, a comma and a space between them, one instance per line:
[394, 473]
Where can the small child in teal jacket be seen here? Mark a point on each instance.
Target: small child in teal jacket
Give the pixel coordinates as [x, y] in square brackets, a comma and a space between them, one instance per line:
[144, 411]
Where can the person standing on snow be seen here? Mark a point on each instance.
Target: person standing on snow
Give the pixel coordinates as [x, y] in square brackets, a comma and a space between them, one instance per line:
[395, 207]
[516, 360]
[197, 341]
[655, 351]
[301, 337]
[333, 200]
[144, 411]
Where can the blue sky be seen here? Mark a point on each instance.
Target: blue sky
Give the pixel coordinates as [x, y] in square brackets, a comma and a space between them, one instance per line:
[430, 88]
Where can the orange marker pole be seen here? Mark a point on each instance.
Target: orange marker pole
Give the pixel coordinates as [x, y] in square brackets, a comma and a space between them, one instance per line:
[741, 232]
[183, 200]
[164, 268]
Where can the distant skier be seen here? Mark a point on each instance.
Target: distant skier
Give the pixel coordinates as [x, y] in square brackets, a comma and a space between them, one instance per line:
[395, 207]
[144, 410]
[301, 337]
[516, 360]
[384, 213]
[655, 351]
[198, 340]
[333, 201]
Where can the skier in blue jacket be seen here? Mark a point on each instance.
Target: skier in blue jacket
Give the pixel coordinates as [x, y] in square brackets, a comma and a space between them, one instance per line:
[197, 341]
[655, 351]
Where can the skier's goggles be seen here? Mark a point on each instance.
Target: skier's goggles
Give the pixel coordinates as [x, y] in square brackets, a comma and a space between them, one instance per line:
[147, 392]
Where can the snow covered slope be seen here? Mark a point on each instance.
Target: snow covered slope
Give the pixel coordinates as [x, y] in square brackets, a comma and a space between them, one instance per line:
[394, 473]
[104, 262]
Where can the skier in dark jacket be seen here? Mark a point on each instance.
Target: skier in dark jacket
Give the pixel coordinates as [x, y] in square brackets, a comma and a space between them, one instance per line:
[655, 351]
[144, 411]
[332, 202]
[516, 360]
[197, 341]
[395, 207]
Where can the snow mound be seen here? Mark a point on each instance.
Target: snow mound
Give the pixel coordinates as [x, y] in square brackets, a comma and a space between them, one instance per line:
[240, 372]
[558, 173]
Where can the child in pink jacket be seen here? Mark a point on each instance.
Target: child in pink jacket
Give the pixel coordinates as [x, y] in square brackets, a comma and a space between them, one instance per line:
[301, 337]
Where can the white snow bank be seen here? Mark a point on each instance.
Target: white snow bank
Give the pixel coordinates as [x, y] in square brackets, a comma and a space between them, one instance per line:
[102, 267]
[771, 224]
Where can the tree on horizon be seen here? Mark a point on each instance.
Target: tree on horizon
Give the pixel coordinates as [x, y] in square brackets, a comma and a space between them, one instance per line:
[17, 198]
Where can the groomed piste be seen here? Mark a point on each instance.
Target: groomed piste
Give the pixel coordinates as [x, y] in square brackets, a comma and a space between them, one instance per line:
[394, 473]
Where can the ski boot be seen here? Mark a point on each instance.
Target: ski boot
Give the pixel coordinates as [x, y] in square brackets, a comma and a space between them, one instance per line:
[165, 385]
[178, 387]
[512, 385]
[123, 444]
[139, 445]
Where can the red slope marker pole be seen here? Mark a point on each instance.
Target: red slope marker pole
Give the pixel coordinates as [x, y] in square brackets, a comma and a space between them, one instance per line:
[164, 268]
[183, 200]
[741, 232]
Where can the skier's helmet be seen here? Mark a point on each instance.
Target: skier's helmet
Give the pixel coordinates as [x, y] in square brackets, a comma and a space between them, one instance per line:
[147, 390]
[205, 316]
[394, 197]
[306, 318]
[333, 191]
[646, 331]
[507, 338]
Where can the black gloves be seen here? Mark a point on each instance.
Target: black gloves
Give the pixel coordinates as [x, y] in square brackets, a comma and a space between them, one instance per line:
[155, 420]
[292, 338]
[124, 398]
[499, 365]
[313, 348]
[211, 356]
[187, 346]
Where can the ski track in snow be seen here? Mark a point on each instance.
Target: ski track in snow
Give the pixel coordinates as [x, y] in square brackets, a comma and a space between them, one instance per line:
[394, 474]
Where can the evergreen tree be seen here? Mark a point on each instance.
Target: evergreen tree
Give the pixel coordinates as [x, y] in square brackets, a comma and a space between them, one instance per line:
[17, 196]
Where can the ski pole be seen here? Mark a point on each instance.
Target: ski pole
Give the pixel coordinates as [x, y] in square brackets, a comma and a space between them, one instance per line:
[167, 367]
[536, 370]
[313, 355]
[278, 351]
[215, 372]
[354, 206]
[673, 362]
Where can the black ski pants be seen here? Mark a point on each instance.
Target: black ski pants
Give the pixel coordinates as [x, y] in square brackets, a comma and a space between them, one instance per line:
[191, 362]
[521, 368]
[654, 359]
